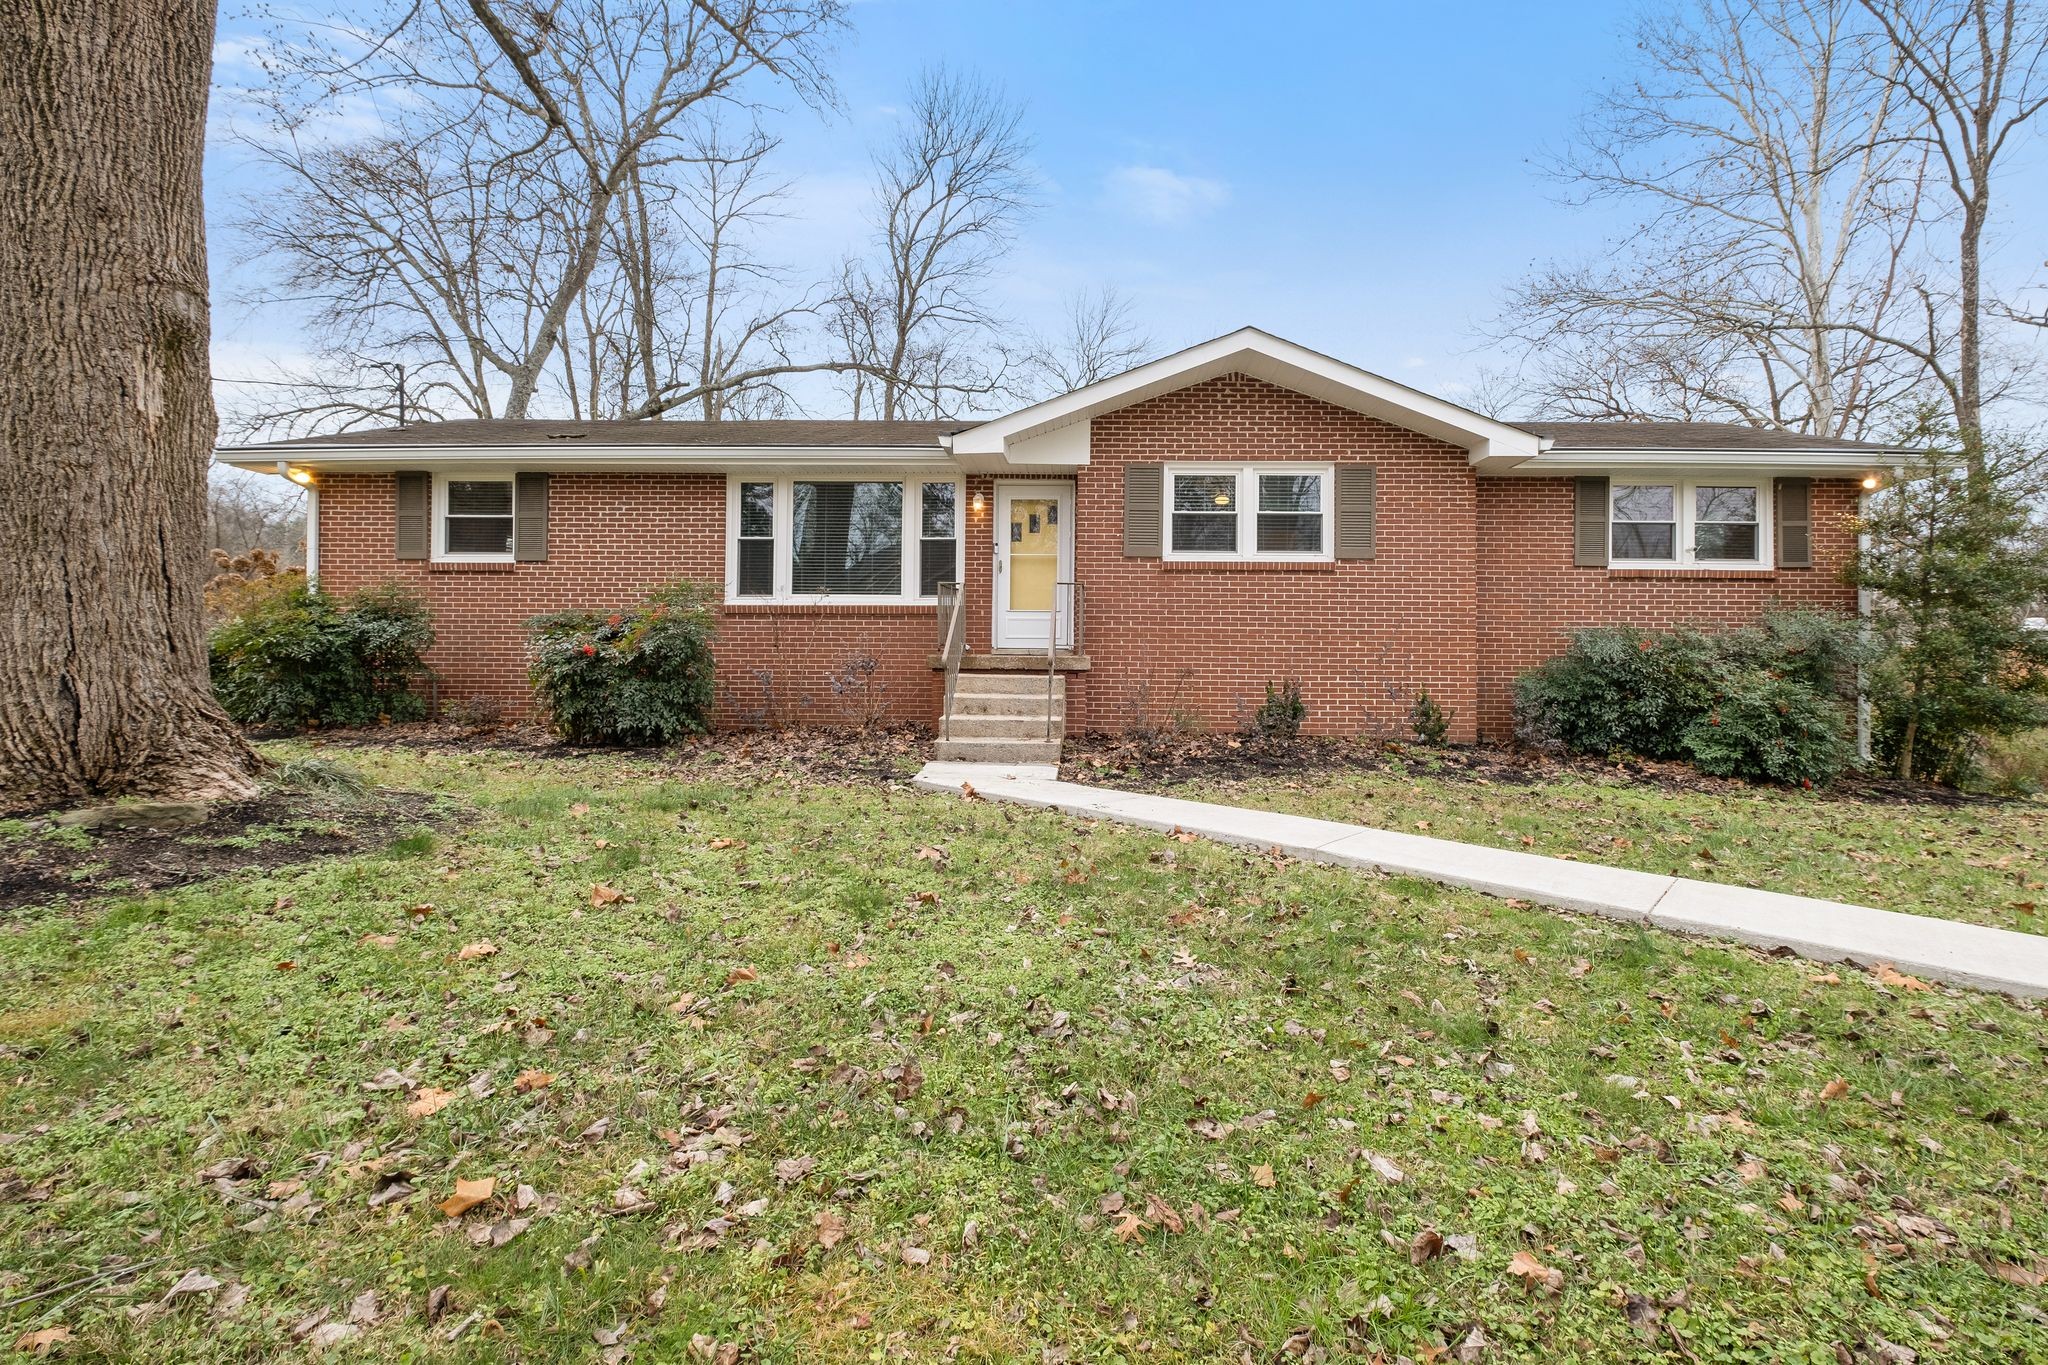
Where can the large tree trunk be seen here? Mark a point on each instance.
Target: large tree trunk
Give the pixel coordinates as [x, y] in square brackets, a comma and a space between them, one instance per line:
[106, 415]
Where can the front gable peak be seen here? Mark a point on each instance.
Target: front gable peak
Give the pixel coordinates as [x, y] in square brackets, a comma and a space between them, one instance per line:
[1046, 433]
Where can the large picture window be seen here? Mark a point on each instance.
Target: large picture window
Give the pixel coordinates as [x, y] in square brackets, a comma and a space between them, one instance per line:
[1683, 523]
[1258, 511]
[812, 539]
[846, 538]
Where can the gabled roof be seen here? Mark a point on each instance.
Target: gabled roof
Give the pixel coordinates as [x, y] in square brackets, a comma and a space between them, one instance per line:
[1264, 356]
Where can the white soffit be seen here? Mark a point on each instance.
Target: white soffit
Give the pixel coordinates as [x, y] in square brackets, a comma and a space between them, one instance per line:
[1262, 356]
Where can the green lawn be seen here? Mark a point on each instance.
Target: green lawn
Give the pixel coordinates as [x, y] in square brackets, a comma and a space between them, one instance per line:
[850, 1073]
[1983, 860]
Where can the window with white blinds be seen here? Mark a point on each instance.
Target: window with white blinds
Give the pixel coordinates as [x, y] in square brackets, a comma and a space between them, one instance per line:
[815, 539]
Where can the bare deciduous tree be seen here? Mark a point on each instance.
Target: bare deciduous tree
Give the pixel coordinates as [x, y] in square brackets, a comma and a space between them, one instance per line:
[106, 420]
[949, 195]
[1098, 337]
[1780, 201]
[1977, 73]
[522, 154]
[250, 512]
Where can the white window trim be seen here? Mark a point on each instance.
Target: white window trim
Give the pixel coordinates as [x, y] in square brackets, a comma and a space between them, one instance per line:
[439, 511]
[785, 518]
[1682, 487]
[1248, 512]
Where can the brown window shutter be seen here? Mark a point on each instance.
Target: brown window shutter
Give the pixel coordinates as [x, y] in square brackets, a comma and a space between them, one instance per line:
[415, 514]
[530, 517]
[1795, 523]
[1589, 524]
[1144, 510]
[1357, 510]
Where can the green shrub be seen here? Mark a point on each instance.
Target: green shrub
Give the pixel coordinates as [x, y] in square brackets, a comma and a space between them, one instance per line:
[1281, 714]
[297, 656]
[1771, 726]
[635, 677]
[1769, 701]
[1430, 722]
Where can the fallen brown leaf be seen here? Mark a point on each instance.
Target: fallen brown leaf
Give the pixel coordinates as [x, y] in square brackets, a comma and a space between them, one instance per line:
[431, 1101]
[468, 1194]
[483, 947]
[1535, 1274]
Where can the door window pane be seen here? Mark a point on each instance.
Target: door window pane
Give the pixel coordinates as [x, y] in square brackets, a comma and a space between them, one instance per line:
[847, 537]
[938, 550]
[479, 517]
[1034, 552]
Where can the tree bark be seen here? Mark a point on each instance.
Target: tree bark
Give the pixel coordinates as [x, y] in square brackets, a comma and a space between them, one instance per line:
[106, 413]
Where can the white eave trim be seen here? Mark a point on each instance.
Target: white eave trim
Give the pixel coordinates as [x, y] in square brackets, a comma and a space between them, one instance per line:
[1820, 462]
[591, 458]
[1262, 356]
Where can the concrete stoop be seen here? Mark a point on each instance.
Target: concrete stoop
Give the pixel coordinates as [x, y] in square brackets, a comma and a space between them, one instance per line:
[1004, 718]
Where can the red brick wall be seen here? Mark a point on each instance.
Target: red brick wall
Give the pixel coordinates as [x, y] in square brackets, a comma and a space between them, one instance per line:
[1472, 583]
[609, 537]
[1530, 595]
[1202, 640]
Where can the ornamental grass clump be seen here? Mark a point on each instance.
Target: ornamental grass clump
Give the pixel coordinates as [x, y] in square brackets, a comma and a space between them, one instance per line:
[638, 677]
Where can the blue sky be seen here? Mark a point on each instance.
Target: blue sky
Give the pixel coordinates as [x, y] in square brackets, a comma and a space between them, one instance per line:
[1362, 178]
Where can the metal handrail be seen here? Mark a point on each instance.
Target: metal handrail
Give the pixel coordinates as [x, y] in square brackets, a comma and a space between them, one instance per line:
[1075, 598]
[952, 645]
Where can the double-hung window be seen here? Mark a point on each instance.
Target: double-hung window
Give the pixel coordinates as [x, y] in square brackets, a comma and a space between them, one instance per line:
[754, 546]
[1687, 523]
[473, 518]
[1248, 512]
[813, 539]
[938, 545]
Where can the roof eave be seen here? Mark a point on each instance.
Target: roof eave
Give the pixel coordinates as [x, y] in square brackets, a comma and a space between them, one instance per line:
[597, 459]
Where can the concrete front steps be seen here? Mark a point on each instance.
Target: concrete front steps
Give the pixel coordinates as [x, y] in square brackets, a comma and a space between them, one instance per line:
[1004, 718]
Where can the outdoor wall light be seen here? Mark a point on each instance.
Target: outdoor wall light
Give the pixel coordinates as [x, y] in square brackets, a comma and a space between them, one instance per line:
[979, 504]
[1869, 482]
[302, 477]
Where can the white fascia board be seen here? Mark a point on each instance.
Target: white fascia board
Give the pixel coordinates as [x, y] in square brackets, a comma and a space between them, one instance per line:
[1262, 356]
[1822, 463]
[591, 459]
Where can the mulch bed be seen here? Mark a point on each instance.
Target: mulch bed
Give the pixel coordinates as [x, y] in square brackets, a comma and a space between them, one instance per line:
[291, 826]
[1131, 762]
[877, 754]
[1145, 763]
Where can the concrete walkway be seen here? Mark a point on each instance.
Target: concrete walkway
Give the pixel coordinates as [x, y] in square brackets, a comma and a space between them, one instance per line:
[1826, 931]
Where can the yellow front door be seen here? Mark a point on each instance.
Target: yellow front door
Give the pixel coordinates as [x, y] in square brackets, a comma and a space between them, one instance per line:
[1033, 552]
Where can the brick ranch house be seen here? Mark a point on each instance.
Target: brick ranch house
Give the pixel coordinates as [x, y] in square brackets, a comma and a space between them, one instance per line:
[1243, 511]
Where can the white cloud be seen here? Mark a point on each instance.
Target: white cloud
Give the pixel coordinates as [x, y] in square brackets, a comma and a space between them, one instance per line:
[1159, 195]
